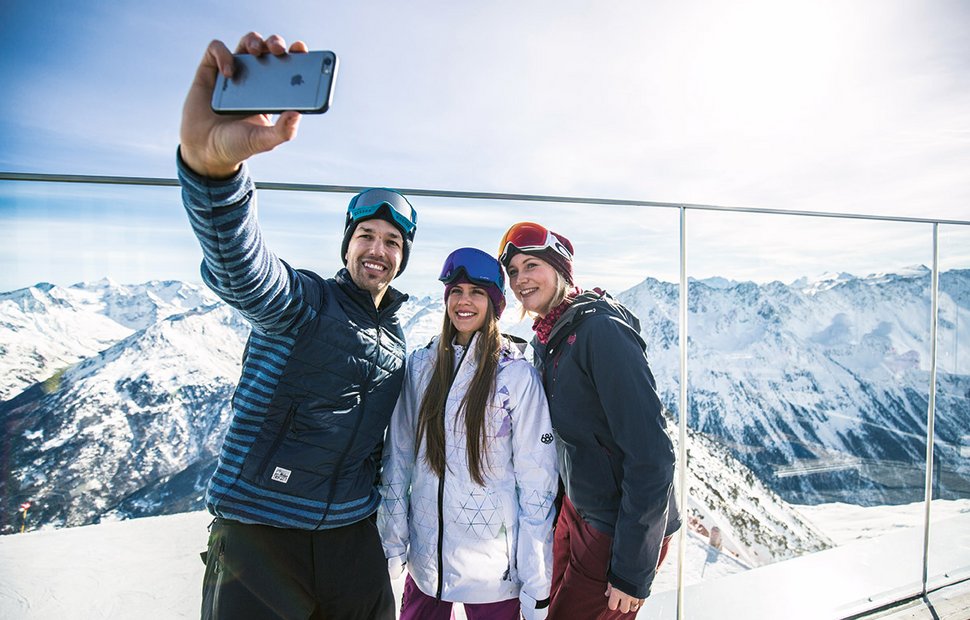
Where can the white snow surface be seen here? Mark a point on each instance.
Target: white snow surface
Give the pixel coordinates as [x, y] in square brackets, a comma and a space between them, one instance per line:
[150, 568]
[846, 523]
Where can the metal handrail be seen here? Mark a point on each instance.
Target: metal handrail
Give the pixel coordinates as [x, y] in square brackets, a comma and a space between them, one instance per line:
[436, 193]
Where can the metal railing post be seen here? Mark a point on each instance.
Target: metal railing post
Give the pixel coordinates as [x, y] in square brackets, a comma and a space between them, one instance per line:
[682, 422]
[931, 406]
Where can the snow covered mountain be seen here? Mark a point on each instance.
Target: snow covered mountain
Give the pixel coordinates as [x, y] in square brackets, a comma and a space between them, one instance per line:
[149, 407]
[797, 392]
[822, 387]
[46, 328]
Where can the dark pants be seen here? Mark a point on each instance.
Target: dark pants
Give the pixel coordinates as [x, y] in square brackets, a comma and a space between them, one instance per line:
[261, 572]
[580, 561]
[416, 605]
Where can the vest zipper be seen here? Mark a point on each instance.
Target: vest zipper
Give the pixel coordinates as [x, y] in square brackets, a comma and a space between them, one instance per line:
[360, 417]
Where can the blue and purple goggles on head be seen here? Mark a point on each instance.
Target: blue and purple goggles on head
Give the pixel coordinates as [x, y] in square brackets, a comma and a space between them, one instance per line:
[479, 268]
[366, 204]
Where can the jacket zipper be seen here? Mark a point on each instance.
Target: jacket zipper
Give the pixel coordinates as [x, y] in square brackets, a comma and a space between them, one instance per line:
[441, 533]
[441, 485]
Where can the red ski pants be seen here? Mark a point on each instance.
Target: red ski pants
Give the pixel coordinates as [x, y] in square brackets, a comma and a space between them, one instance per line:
[581, 559]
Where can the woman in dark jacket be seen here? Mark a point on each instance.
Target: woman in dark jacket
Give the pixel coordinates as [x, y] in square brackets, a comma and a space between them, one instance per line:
[615, 457]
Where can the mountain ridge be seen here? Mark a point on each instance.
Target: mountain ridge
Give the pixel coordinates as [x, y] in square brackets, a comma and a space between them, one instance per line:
[787, 396]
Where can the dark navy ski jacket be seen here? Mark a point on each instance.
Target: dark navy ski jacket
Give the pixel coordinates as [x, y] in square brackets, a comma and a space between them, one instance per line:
[615, 457]
[321, 373]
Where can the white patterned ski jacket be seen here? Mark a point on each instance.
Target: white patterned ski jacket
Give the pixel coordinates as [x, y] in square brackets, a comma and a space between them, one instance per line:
[495, 541]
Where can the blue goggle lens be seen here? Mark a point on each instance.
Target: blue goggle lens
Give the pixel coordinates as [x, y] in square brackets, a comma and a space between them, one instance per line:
[478, 266]
[371, 201]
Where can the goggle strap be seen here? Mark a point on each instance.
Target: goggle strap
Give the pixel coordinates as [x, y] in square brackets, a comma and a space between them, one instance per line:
[555, 246]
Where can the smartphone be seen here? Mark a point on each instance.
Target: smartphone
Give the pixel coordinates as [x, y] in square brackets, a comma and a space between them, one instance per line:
[271, 84]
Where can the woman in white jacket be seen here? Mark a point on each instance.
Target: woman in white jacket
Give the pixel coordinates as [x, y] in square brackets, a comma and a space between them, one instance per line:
[470, 475]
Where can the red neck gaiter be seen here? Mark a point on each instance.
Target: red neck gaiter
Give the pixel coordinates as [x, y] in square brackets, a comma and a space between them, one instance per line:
[543, 325]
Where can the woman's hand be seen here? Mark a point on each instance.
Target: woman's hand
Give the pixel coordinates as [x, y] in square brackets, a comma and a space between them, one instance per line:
[622, 601]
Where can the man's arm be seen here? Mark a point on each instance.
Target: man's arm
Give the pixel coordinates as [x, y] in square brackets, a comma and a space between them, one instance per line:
[236, 264]
[219, 195]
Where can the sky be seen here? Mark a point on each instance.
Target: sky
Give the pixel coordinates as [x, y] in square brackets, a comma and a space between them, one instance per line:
[858, 106]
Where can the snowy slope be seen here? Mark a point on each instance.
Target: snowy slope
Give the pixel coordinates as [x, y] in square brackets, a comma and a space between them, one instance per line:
[821, 387]
[756, 526]
[46, 328]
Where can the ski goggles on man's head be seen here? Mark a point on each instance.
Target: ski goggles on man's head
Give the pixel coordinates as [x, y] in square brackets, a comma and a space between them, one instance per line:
[530, 237]
[479, 267]
[367, 203]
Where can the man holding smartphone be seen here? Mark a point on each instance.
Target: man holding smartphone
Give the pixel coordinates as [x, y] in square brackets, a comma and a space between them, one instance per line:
[294, 492]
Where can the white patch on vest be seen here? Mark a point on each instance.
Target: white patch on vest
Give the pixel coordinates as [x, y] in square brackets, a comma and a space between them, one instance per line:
[281, 475]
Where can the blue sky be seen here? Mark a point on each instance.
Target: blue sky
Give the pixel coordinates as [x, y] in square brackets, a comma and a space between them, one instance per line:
[860, 107]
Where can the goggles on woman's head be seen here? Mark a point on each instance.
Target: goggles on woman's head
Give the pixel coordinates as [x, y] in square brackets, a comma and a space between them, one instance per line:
[530, 237]
[369, 202]
[479, 267]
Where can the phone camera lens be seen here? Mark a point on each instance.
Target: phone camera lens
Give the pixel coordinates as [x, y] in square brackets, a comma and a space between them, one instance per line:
[327, 61]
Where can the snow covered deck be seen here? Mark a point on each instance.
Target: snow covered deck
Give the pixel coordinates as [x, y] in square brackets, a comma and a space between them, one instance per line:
[949, 603]
[837, 583]
[150, 568]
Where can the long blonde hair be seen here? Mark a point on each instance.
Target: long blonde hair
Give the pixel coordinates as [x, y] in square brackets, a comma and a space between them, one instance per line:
[474, 403]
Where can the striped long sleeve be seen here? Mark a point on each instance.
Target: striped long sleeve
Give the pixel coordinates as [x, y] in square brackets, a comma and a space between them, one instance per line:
[236, 263]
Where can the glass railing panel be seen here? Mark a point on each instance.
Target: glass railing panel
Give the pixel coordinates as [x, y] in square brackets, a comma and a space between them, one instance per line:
[631, 252]
[120, 239]
[74, 232]
[90, 274]
[949, 537]
[808, 367]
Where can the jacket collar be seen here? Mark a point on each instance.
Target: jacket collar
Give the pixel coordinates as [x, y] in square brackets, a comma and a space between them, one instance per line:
[512, 348]
[392, 300]
[586, 304]
[577, 311]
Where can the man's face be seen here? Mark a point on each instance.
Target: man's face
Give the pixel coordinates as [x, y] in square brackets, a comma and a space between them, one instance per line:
[374, 256]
